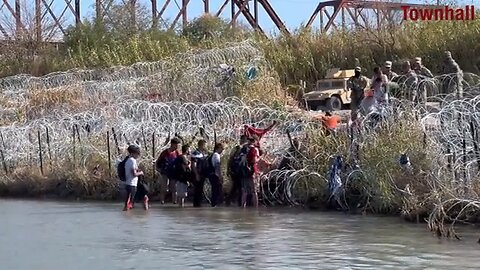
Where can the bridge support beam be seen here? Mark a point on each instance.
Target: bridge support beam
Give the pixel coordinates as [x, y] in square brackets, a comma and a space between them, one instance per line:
[334, 13]
[362, 14]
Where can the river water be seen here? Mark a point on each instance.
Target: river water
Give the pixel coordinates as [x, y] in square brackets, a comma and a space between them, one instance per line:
[45, 235]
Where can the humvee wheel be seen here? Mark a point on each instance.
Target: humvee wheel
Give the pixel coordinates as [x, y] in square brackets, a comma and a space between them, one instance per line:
[334, 104]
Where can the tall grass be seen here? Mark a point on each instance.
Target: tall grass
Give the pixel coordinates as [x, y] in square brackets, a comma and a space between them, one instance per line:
[377, 187]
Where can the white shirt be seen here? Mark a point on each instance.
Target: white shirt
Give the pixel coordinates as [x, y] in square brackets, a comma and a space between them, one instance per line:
[216, 160]
[130, 165]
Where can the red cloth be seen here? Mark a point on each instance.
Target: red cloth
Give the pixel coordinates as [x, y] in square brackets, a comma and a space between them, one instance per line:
[249, 130]
[252, 158]
[259, 132]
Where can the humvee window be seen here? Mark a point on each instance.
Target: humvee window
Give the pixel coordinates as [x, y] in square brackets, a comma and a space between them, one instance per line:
[338, 84]
[324, 85]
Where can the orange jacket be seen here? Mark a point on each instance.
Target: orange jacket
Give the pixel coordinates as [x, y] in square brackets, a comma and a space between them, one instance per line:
[331, 122]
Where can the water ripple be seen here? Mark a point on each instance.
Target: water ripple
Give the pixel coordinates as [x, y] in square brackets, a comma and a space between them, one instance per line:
[101, 236]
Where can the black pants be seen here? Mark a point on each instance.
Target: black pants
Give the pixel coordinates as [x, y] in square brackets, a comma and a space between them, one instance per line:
[235, 192]
[216, 189]
[131, 190]
[198, 192]
[142, 190]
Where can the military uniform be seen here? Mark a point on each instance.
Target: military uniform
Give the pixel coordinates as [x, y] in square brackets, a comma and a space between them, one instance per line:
[452, 85]
[421, 91]
[357, 85]
[409, 81]
[391, 75]
[388, 71]
[421, 69]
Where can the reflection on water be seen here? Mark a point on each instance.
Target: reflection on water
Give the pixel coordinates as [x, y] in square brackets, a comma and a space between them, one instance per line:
[50, 235]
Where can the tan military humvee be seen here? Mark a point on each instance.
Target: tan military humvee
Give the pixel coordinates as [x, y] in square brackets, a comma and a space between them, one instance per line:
[331, 93]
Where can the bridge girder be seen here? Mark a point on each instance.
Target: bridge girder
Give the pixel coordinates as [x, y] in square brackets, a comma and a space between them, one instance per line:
[41, 22]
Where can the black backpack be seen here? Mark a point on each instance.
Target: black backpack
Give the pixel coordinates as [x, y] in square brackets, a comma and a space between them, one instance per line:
[121, 169]
[206, 166]
[236, 160]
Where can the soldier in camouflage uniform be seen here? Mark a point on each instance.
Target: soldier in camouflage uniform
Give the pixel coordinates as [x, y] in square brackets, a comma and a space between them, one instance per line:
[421, 69]
[409, 81]
[421, 87]
[452, 85]
[387, 70]
[357, 84]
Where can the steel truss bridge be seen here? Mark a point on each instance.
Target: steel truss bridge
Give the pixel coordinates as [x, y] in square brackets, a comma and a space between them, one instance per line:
[47, 20]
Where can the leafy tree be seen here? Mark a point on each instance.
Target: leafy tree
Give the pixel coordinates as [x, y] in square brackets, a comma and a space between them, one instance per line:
[211, 27]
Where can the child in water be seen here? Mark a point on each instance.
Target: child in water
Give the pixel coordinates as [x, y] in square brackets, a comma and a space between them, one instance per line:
[131, 175]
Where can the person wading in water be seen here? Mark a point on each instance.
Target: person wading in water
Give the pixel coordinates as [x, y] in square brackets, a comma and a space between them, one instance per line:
[182, 175]
[250, 182]
[215, 174]
[164, 166]
[131, 176]
[199, 161]
[232, 172]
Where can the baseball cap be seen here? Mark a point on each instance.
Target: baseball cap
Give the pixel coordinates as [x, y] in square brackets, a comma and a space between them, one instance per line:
[388, 64]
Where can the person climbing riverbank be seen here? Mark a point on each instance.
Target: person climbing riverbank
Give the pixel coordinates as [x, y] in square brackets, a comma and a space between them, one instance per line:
[329, 122]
